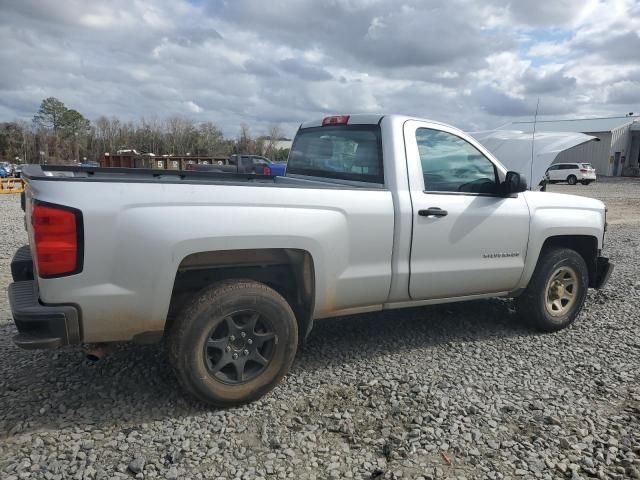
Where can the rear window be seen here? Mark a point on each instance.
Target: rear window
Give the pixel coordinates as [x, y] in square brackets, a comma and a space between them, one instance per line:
[585, 165]
[346, 152]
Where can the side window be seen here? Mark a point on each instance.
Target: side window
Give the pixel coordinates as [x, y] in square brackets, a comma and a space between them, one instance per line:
[451, 164]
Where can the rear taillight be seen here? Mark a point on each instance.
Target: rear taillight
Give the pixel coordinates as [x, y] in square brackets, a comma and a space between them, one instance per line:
[57, 237]
[584, 170]
[266, 171]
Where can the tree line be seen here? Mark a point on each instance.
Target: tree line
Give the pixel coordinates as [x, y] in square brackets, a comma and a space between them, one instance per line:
[61, 135]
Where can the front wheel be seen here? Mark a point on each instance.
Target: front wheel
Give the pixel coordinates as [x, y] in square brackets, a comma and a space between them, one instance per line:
[572, 180]
[233, 343]
[557, 290]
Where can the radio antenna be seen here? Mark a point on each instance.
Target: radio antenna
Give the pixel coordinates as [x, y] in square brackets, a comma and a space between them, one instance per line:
[533, 141]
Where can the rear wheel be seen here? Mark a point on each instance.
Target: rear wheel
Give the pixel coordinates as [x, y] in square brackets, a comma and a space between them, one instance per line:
[572, 180]
[233, 343]
[557, 290]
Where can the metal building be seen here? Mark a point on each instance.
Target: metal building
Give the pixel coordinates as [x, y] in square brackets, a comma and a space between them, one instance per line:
[617, 152]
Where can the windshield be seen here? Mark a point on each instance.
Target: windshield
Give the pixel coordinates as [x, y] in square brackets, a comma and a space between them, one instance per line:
[347, 152]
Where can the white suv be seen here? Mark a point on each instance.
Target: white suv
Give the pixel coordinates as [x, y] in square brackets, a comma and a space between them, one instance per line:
[571, 173]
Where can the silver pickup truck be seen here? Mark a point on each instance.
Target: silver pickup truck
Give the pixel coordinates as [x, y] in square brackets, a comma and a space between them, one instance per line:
[374, 213]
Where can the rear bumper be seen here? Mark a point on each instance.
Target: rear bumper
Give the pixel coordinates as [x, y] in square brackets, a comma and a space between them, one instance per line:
[603, 272]
[39, 326]
[22, 265]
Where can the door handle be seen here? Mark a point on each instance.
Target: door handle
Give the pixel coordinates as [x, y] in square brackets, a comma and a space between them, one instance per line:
[433, 212]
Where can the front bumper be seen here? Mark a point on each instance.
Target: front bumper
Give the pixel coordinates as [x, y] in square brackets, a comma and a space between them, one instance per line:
[39, 326]
[603, 272]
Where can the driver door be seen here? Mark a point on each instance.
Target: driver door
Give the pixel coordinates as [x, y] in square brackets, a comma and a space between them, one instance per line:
[467, 240]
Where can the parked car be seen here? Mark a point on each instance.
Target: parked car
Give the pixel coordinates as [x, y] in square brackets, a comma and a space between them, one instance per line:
[571, 173]
[17, 171]
[3, 172]
[242, 164]
[278, 168]
[246, 265]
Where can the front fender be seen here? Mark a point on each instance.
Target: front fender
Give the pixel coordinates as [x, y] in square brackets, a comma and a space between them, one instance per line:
[555, 221]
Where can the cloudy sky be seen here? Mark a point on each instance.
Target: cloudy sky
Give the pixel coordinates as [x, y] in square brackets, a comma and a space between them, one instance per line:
[476, 64]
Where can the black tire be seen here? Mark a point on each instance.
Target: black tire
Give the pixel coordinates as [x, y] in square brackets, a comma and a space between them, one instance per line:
[585, 182]
[572, 180]
[532, 305]
[201, 355]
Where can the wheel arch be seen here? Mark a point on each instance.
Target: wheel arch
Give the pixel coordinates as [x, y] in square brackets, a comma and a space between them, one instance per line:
[289, 271]
[584, 244]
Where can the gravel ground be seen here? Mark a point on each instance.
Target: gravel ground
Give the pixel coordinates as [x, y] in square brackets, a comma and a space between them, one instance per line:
[456, 391]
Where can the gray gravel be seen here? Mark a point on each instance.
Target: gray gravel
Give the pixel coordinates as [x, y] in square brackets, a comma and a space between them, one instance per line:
[456, 391]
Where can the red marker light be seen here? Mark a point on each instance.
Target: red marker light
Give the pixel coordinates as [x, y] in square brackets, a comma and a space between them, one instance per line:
[335, 120]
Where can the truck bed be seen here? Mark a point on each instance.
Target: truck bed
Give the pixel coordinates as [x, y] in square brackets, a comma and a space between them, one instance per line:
[139, 226]
[140, 175]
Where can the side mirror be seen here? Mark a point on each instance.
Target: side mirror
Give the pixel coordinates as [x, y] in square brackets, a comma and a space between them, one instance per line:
[513, 183]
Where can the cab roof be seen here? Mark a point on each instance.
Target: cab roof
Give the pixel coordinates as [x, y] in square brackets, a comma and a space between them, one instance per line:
[363, 119]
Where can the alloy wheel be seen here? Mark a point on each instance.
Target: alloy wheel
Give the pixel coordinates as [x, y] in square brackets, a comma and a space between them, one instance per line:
[240, 347]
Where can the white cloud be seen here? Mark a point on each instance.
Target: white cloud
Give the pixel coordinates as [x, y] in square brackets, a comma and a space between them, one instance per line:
[550, 50]
[471, 63]
[194, 107]
[447, 74]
